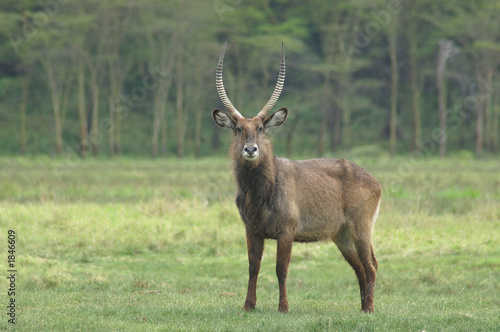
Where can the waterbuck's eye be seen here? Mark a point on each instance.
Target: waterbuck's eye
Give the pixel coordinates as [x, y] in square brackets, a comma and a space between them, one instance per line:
[239, 130]
[260, 129]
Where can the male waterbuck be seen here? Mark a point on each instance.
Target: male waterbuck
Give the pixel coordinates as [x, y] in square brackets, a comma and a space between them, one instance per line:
[302, 201]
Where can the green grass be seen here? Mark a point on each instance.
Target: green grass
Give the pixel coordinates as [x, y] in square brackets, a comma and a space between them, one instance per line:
[139, 245]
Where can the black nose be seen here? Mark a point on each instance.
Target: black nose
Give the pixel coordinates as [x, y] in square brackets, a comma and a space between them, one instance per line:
[250, 149]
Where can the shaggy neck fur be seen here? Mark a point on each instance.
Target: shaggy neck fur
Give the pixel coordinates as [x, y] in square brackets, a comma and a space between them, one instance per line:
[255, 179]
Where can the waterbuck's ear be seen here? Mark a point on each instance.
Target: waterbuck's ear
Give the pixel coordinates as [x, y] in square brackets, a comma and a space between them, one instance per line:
[276, 119]
[222, 119]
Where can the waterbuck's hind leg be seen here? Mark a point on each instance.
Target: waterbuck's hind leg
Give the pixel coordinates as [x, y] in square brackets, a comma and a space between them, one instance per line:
[348, 251]
[366, 255]
[255, 246]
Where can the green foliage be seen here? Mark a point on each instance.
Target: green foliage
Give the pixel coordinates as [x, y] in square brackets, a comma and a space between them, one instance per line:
[338, 69]
[158, 245]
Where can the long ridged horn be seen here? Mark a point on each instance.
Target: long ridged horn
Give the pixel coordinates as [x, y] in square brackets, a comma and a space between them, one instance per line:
[277, 90]
[220, 87]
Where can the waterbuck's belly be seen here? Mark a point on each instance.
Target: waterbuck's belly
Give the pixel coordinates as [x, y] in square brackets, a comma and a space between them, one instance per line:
[310, 223]
[317, 225]
[304, 230]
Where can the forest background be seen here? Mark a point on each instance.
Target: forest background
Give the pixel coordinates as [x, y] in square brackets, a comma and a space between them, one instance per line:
[136, 78]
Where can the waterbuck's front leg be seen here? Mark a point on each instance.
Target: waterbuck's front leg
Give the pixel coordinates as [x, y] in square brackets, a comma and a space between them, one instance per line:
[282, 262]
[255, 246]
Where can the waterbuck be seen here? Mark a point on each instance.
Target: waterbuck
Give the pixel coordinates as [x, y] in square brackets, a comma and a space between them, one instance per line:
[301, 201]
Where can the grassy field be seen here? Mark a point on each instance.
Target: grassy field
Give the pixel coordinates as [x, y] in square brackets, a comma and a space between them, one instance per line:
[139, 245]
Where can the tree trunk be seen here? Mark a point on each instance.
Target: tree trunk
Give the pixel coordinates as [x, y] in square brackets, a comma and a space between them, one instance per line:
[56, 106]
[441, 90]
[24, 104]
[117, 75]
[121, 75]
[337, 127]
[112, 32]
[415, 90]
[461, 130]
[321, 137]
[164, 132]
[111, 125]
[496, 115]
[66, 92]
[118, 127]
[215, 142]
[326, 104]
[484, 96]
[197, 132]
[446, 51]
[488, 110]
[156, 125]
[164, 78]
[479, 129]
[394, 86]
[346, 109]
[94, 136]
[180, 106]
[241, 79]
[82, 110]
[346, 123]
[112, 112]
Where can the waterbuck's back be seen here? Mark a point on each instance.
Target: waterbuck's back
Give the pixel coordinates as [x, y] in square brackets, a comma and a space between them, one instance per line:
[323, 195]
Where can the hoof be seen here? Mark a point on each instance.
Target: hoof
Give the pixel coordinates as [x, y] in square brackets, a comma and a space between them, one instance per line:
[367, 310]
[283, 309]
[248, 307]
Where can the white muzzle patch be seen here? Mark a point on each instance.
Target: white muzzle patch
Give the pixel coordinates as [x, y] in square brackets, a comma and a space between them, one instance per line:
[250, 152]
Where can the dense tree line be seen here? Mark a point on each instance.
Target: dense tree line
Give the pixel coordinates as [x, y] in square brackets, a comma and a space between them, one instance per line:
[137, 76]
